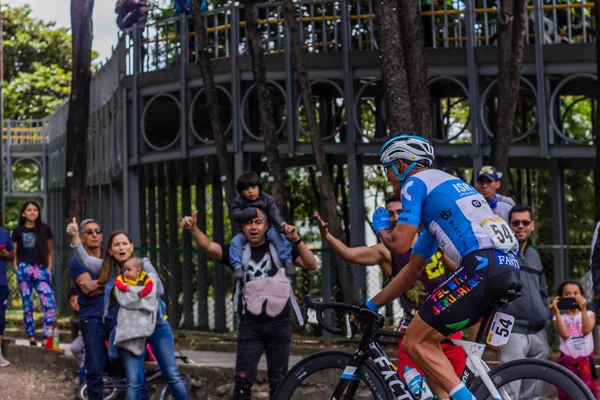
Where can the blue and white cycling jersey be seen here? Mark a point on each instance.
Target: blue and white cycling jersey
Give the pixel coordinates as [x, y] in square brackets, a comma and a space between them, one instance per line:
[456, 217]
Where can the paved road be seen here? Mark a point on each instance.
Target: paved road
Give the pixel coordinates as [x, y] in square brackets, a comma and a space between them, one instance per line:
[204, 358]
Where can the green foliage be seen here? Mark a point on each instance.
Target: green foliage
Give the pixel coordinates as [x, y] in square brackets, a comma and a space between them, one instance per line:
[37, 56]
[28, 40]
[38, 93]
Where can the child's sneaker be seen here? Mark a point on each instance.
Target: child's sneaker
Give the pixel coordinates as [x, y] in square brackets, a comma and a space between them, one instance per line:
[238, 273]
[3, 362]
[290, 268]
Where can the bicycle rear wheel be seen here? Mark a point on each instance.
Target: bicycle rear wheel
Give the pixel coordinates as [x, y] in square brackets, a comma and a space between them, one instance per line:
[315, 377]
[108, 393]
[531, 379]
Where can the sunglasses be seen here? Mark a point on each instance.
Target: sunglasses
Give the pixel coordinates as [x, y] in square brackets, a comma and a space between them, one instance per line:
[91, 231]
[517, 222]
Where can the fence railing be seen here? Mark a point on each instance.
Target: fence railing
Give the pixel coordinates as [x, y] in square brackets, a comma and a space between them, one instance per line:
[444, 26]
[24, 132]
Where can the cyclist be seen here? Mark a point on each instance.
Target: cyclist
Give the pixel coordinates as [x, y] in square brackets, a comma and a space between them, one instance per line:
[437, 271]
[458, 219]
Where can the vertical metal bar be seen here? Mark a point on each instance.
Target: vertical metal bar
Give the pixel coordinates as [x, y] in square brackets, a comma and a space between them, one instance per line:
[569, 25]
[486, 28]
[202, 274]
[555, 20]
[151, 173]
[445, 24]
[134, 136]
[218, 237]
[473, 74]
[183, 89]
[216, 35]
[163, 268]
[174, 266]
[559, 225]
[143, 242]
[188, 266]
[583, 20]
[324, 28]
[336, 24]
[540, 75]
[237, 132]
[358, 21]
[433, 28]
[527, 39]
[313, 31]
[226, 34]
[290, 93]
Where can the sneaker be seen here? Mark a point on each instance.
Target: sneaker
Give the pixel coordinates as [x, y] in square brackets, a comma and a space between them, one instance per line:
[33, 343]
[3, 362]
[290, 268]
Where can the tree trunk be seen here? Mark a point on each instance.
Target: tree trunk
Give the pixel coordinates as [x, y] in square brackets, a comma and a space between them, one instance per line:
[327, 191]
[393, 73]
[597, 166]
[212, 103]
[511, 43]
[259, 70]
[411, 31]
[79, 108]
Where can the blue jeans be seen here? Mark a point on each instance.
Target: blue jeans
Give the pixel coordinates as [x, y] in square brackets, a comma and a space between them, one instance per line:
[283, 247]
[92, 330]
[163, 346]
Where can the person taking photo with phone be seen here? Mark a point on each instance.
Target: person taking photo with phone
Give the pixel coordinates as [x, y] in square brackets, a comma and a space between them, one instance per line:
[574, 324]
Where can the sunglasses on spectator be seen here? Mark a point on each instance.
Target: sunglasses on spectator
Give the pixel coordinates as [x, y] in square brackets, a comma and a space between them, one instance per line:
[91, 231]
[517, 222]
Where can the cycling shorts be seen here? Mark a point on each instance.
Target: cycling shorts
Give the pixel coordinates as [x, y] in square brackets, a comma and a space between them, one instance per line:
[459, 302]
[455, 354]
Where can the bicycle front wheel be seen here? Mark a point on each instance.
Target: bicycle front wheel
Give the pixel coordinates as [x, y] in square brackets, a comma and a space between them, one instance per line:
[531, 379]
[108, 393]
[316, 377]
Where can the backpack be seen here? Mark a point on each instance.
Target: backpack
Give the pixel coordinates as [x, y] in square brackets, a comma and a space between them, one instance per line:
[277, 288]
[130, 12]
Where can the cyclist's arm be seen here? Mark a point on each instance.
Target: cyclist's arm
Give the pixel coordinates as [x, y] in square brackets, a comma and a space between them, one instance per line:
[400, 239]
[423, 250]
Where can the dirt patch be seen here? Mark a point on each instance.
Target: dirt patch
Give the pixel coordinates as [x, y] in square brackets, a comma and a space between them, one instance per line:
[22, 381]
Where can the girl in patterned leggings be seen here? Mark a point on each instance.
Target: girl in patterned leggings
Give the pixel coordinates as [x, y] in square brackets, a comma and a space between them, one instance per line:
[34, 248]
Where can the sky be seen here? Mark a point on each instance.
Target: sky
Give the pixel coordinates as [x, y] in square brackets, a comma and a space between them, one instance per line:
[105, 28]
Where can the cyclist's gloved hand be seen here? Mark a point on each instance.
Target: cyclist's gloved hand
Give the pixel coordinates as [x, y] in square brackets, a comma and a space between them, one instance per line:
[381, 220]
[355, 322]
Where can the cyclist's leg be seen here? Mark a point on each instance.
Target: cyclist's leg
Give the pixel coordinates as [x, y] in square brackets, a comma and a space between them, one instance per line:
[278, 341]
[162, 344]
[422, 343]
[250, 346]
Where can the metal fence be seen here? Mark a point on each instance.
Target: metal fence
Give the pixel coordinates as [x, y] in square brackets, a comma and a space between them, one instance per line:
[444, 22]
[198, 299]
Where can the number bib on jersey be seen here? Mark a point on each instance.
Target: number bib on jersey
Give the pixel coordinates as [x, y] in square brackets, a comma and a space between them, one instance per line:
[500, 329]
[503, 237]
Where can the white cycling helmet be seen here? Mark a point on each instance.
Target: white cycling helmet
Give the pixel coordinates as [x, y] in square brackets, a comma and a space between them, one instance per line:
[408, 148]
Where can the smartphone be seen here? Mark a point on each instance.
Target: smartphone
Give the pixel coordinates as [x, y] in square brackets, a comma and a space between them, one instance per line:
[567, 303]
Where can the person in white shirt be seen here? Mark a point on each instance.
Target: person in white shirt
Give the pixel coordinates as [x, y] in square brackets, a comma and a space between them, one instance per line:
[574, 326]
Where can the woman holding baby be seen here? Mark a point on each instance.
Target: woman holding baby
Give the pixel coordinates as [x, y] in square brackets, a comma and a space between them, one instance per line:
[135, 290]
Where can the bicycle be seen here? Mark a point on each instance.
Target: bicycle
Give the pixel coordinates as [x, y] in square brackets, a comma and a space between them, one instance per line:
[369, 374]
[114, 387]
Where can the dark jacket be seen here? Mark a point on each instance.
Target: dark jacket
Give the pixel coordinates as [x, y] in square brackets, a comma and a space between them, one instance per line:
[531, 310]
[243, 210]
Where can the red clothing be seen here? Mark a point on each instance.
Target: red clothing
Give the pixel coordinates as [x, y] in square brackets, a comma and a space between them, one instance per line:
[455, 354]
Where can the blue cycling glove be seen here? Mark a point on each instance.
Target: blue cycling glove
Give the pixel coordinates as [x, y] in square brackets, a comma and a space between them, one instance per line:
[371, 305]
[381, 220]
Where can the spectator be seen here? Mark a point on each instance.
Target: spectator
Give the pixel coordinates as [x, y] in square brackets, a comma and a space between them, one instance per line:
[6, 254]
[34, 247]
[77, 344]
[259, 330]
[391, 264]
[90, 300]
[487, 183]
[528, 338]
[243, 208]
[575, 330]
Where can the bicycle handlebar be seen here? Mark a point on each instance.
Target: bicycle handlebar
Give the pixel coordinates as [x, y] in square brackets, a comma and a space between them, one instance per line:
[361, 313]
